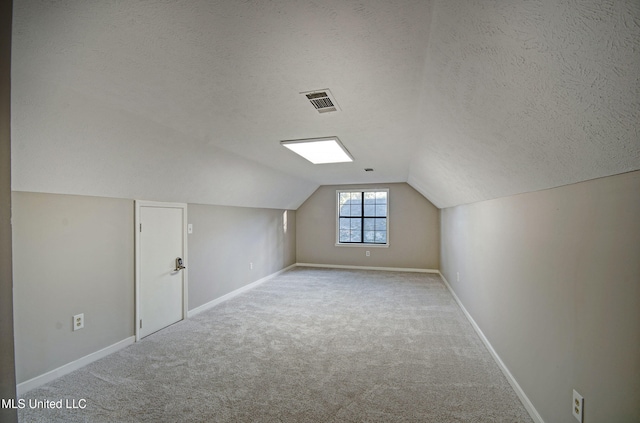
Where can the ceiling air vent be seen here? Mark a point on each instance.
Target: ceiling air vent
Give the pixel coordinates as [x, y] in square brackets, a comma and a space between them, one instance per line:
[322, 100]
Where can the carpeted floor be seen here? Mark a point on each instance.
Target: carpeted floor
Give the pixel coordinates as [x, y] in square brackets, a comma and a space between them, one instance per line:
[311, 345]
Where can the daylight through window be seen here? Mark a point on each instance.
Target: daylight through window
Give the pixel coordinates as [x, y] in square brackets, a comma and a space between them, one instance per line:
[362, 217]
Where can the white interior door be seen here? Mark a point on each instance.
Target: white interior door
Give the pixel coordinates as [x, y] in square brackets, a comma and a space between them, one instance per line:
[161, 285]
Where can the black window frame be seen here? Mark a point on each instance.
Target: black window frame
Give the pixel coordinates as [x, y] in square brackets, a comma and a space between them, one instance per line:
[362, 218]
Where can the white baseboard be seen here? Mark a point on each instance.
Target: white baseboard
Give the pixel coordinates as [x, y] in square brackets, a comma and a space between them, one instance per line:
[389, 269]
[512, 381]
[232, 294]
[70, 367]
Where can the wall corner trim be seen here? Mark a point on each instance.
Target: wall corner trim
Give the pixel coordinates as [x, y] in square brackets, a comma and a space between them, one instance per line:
[45, 378]
[225, 297]
[512, 381]
[388, 269]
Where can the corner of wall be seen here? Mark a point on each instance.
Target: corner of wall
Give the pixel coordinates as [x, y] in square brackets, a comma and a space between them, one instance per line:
[7, 354]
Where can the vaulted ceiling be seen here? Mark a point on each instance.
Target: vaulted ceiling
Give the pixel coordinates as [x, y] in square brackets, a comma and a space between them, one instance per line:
[188, 100]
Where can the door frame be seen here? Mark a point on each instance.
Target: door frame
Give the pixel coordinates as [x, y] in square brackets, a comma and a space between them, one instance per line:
[185, 274]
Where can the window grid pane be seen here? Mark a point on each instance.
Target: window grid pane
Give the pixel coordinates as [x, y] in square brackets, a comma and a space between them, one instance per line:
[369, 197]
[369, 224]
[369, 236]
[381, 236]
[369, 209]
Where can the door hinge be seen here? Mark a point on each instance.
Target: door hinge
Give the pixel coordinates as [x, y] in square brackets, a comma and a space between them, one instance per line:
[140, 323]
[141, 227]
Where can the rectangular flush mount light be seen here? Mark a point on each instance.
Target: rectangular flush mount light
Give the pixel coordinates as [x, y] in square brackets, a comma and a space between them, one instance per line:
[320, 150]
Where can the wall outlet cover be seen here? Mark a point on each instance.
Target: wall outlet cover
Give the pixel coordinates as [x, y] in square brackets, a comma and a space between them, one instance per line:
[578, 406]
[78, 321]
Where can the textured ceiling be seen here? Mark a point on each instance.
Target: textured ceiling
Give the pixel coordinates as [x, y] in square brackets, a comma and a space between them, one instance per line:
[527, 95]
[188, 100]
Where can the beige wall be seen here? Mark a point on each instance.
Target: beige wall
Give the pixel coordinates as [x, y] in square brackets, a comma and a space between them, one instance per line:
[75, 254]
[7, 365]
[72, 255]
[414, 232]
[553, 280]
[225, 240]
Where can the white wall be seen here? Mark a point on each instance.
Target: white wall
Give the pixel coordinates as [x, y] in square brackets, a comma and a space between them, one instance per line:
[553, 280]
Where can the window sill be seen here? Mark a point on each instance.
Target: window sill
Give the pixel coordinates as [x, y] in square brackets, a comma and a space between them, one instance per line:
[363, 245]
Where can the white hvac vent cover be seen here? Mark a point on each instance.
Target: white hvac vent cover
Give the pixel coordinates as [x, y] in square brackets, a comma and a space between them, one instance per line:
[322, 100]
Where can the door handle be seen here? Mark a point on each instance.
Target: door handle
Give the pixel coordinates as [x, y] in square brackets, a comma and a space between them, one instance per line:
[179, 264]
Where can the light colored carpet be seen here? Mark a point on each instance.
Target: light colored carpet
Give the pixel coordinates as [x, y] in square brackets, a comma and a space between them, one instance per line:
[311, 345]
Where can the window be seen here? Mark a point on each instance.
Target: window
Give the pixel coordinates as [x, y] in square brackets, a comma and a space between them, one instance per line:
[362, 217]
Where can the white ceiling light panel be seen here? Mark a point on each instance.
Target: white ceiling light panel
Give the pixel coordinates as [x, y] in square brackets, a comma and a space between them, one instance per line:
[319, 150]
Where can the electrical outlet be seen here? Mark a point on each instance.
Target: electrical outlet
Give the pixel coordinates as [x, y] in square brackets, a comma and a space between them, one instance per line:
[78, 321]
[368, 253]
[251, 266]
[457, 276]
[578, 406]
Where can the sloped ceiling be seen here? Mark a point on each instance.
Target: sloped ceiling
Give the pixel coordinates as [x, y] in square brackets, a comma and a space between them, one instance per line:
[526, 95]
[188, 100]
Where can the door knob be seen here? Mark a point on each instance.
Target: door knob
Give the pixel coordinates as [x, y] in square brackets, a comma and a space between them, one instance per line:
[179, 264]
